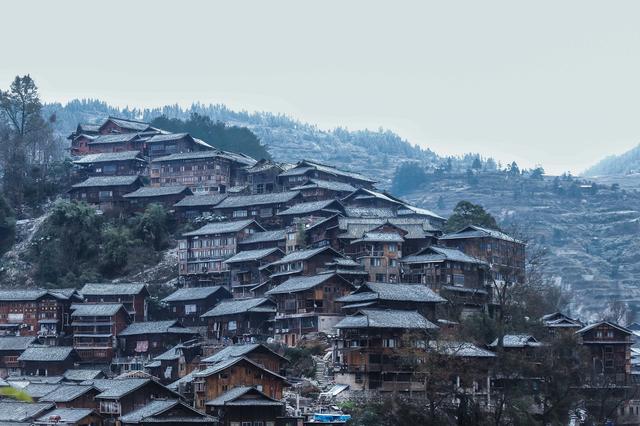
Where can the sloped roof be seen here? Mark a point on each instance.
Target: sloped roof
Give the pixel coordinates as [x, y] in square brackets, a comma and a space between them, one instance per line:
[395, 292]
[66, 393]
[155, 327]
[302, 283]
[325, 184]
[104, 289]
[99, 181]
[229, 362]
[14, 295]
[46, 353]
[222, 227]
[460, 349]
[434, 254]
[193, 293]
[237, 201]
[160, 191]
[369, 212]
[234, 396]
[14, 411]
[387, 237]
[306, 165]
[80, 375]
[114, 138]
[474, 231]
[356, 227]
[201, 200]
[15, 343]
[96, 309]
[153, 411]
[127, 123]
[238, 351]
[299, 255]
[238, 306]
[39, 390]
[386, 318]
[66, 415]
[311, 206]
[117, 388]
[249, 255]
[610, 324]
[266, 236]
[108, 157]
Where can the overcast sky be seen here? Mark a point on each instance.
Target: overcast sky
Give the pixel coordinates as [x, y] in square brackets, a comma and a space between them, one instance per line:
[552, 82]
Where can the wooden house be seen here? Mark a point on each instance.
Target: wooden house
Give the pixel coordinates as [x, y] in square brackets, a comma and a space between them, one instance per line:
[163, 145]
[265, 239]
[262, 207]
[193, 206]
[241, 319]
[256, 352]
[47, 360]
[72, 396]
[262, 177]
[151, 338]
[118, 125]
[609, 348]
[247, 269]
[505, 254]
[223, 376]
[408, 297]
[245, 405]
[322, 208]
[166, 196]
[557, 323]
[124, 163]
[11, 347]
[302, 262]
[170, 412]
[368, 344]
[176, 362]
[379, 251]
[210, 171]
[188, 304]
[96, 328]
[133, 296]
[70, 417]
[201, 253]
[16, 412]
[119, 397]
[105, 192]
[305, 170]
[36, 312]
[307, 304]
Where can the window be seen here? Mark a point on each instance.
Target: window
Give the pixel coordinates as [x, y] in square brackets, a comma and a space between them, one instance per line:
[190, 309]
[458, 279]
[104, 195]
[259, 188]
[599, 334]
[610, 334]
[239, 213]
[392, 247]
[389, 343]
[380, 278]
[110, 407]
[376, 261]
[232, 326]
[267, 212]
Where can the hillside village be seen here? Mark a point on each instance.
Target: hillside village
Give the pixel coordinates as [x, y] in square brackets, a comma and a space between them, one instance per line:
[305, 295]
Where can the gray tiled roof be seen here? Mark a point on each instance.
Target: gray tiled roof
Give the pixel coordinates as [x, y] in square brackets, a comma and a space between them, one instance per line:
[183, 380]
[266, 236]
[221, 228]
[170, 354]
[355, 227]
[66, 393]
[395, 292]
[46, 353]
[15, 343]
[96, 309]
[35, 379]
[387, 237]
[167, 137]
[152, 191]
[306, 165]
[310, 207]
[153, 412]
[192, 293]
[232, 396]
[386, 318]
[301, 283]
[14, 411]
[155, 327]
[257, 199]
[460, 349]
[115, 138]
[238, 306]
[435, 254]
[65, 415]
[99, 181]
[299, 255]
[369, 212]
[201, 200]
[39, 390]
[127, 123]
[473, 231]
[80, 375]
[230, 352]
[107, 157]
[117, 388]
[326, 184]
[195, 155]
[104, 289]
[224, 364]
[13, 295]
[249, 255]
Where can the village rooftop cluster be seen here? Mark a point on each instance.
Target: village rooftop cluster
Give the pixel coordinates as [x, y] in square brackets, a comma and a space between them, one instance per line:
[280, 254]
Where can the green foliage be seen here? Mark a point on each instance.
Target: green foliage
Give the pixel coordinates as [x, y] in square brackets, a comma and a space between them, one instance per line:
[217, 134]
[7, 225]
[15, 394]
[408, 176]
[153, 226]
[302, 363]
[466, 213]
[116, 241]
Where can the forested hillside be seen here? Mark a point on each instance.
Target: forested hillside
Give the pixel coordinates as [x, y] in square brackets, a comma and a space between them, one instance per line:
[623, 164]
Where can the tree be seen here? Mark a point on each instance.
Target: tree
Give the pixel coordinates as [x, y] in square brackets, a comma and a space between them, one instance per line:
[477, 164]
[153, 226]
[408, 176]
[7, 225]
[513, 169]
[537, 173]
[466, 213]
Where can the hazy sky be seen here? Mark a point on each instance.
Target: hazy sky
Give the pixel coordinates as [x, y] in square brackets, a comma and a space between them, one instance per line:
[550, 82]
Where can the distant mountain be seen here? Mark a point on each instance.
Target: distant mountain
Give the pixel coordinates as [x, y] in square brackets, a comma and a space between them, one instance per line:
[623, 164]
[376, 153]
